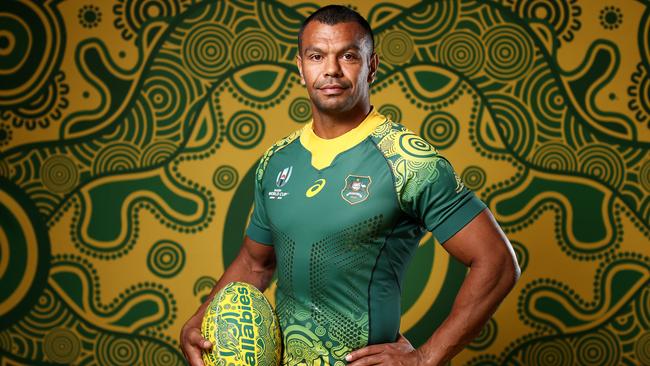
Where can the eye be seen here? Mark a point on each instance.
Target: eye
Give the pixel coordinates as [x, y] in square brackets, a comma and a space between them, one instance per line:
[349, 56]
[315, 57]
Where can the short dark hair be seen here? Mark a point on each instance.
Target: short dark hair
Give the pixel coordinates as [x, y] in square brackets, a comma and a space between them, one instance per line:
[335, 14]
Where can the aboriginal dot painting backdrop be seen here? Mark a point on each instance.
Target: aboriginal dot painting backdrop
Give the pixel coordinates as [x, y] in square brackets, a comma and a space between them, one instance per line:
[130, 129]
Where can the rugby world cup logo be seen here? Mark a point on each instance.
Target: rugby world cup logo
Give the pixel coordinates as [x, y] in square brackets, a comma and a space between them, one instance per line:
[283, 177]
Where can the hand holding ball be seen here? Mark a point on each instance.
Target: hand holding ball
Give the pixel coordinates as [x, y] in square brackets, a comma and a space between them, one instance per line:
[243, 328]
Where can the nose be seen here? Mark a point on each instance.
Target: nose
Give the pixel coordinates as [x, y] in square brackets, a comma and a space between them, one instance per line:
[333, 68]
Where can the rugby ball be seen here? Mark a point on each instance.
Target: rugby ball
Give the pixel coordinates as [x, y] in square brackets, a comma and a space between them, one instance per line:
[243, 328]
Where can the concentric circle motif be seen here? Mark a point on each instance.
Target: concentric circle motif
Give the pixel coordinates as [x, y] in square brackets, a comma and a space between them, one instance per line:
[30, 44]
[61, 346]
[300, 110]
[392, 112]
[509, 52]
[253, 46]
[205, 50]
[225, 177]
[556, 157]
[116, 157]
[158, 153]
[463, 51]
[245, 129]
[166, 258]
[166, 92]
[59, 174]
[440, 129]
[154, 354]
[49, 312]
[111, 350]
[604, 163]
[132, 15]
[642, 349]
[396, 47]
[562, 16]
[556, 352]
[415, 146]
[599, 349]
[473, 177]
[24, 254]
[7, 42]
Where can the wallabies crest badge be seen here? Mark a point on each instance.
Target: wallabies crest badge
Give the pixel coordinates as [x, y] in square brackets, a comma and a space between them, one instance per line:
[357, 189]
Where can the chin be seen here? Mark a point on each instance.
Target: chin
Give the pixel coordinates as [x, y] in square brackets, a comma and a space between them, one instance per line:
[334, 106]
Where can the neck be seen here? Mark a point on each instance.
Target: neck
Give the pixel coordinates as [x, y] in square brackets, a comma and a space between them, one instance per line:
[329, 126]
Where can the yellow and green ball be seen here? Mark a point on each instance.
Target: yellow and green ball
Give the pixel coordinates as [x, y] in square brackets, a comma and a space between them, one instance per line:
[243, 328]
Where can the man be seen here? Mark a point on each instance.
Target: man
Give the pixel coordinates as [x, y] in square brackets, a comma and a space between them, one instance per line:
[340, 207]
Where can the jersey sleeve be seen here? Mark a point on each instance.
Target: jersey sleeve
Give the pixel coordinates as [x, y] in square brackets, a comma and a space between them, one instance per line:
[440, 200]
[258, 227]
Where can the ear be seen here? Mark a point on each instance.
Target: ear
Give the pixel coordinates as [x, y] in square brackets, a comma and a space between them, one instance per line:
[374, 65]
[299, 64]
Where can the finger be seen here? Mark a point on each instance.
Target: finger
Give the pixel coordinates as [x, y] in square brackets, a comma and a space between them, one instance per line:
[366, 351]
[196, 339]
[194, 357]
[375, 359]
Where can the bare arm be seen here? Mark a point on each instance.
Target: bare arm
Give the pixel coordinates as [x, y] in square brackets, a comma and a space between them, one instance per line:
[254, 264]
[482, 246]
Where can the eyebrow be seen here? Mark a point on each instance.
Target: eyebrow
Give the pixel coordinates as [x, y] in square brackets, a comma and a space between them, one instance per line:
[317, 49]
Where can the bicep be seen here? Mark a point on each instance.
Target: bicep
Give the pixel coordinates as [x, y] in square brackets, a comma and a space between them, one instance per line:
[480, 240]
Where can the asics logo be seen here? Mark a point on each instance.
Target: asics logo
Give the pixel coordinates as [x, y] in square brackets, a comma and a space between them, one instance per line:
[317, 187]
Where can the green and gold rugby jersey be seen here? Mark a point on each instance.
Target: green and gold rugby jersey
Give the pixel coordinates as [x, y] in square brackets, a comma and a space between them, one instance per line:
[345, 216]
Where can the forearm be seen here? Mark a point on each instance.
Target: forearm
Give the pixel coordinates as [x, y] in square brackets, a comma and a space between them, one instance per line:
[478, 298]
[242, 269]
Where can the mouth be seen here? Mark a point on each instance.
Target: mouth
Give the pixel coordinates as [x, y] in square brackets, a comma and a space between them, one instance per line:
[332, 89]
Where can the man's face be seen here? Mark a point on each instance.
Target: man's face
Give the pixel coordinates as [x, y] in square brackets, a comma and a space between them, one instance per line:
[337, 65]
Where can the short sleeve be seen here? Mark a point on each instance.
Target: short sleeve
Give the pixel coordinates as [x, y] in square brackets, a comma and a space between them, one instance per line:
[258, 227]
[442, 202]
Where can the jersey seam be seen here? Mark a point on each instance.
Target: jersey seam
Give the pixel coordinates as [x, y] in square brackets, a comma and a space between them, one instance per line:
[372, 276]
[261, 181]
[392, 177]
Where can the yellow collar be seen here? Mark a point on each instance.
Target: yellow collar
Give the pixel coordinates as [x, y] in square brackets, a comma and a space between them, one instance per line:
[323, 151]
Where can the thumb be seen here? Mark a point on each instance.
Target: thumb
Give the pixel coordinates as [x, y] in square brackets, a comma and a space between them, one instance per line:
[205, 344]
[402, 339]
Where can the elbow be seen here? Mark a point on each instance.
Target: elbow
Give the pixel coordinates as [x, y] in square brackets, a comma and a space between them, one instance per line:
[510, 270]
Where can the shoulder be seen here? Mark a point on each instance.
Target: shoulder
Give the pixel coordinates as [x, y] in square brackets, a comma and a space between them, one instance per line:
[414, 162]
[397, 142]
[277, 146]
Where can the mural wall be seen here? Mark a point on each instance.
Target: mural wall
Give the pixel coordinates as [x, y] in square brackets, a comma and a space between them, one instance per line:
[129, 131]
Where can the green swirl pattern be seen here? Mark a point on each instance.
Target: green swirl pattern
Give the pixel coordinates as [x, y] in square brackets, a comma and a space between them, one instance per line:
[131, 130]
